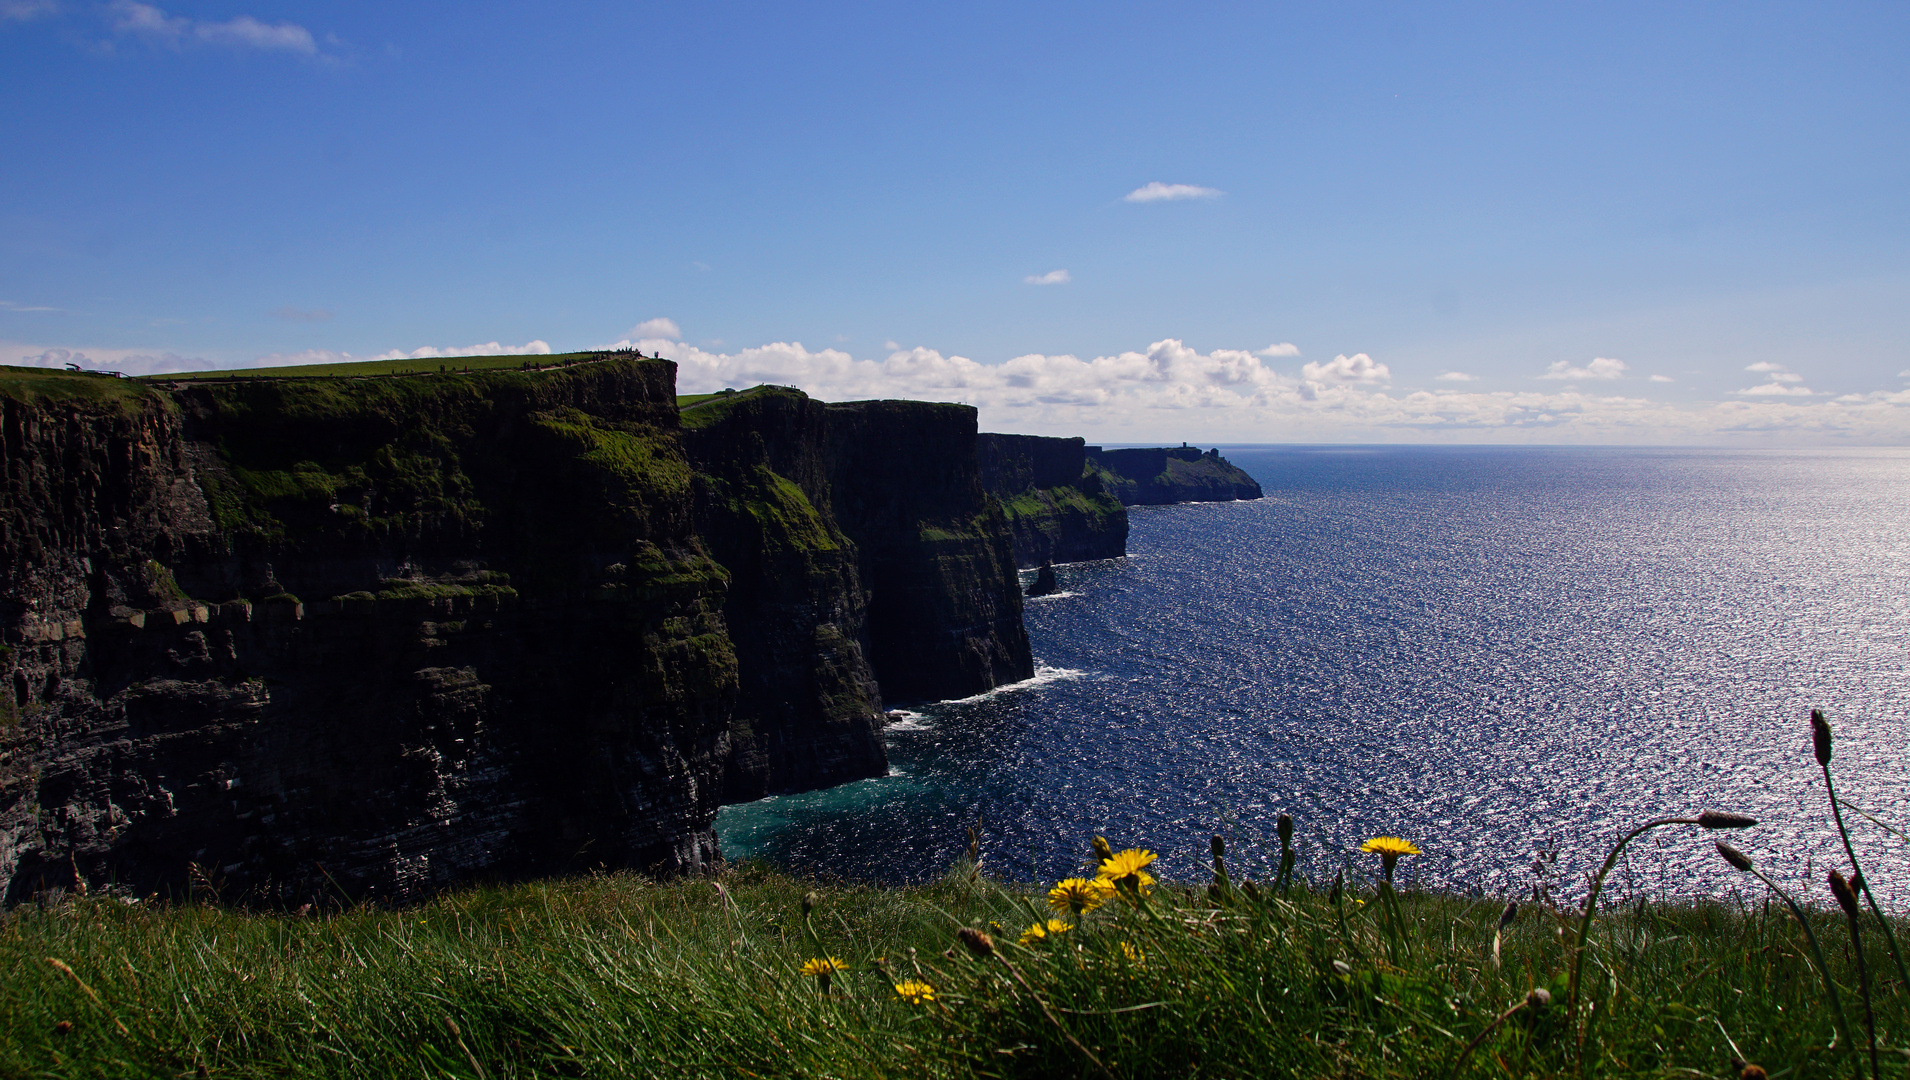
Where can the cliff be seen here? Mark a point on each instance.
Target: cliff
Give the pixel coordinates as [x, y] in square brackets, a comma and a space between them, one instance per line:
[371, 636]
[1161, 475]
[1057, 506]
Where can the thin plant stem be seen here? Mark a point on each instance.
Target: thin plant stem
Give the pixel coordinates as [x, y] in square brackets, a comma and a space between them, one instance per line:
[1591, 905]
[1863, 883]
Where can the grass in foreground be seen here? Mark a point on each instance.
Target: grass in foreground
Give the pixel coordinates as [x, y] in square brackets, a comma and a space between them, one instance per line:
[622, 976]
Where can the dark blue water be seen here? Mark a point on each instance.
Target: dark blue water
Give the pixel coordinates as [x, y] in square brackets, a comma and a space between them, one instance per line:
[1490, 651]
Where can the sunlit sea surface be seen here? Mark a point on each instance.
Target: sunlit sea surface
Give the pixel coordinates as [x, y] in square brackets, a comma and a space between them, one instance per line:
[1491, 651]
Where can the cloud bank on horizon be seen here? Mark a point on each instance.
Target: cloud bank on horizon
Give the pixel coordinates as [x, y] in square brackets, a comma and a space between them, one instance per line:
[1172, 391]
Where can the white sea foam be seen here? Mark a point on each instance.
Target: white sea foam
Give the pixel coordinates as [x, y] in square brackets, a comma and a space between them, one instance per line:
[1050, 596]
[911, 721]
[1043, 676]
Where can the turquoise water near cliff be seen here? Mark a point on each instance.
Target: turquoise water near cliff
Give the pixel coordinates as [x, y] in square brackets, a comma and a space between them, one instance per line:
[1492, 651]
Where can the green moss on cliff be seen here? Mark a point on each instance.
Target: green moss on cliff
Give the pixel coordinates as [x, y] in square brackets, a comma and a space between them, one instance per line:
[639, 468]
[378, 457]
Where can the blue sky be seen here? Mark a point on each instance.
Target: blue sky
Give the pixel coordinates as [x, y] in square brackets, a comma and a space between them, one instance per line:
[1382, 221]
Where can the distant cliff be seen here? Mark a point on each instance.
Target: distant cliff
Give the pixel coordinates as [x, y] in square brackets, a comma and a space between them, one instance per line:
[1056, 504]
[864, 552]
[1160, 475]
[304, 636]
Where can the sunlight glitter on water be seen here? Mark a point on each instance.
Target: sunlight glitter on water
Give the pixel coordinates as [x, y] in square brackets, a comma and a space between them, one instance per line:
[1489, 650]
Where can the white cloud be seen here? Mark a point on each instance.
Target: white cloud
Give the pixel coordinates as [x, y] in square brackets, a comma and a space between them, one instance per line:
[489, 348]
[292, 314]
[1358, 368]
[1279, 348]
[1159, 192]
[1783, 383]
[244, 31]
[1601, 367]
[1457, 376]
[1172, 392]
[1052, 277]
[127, 361]
[665, 329]
[8, 305]
[24, 10]
[1662, 378]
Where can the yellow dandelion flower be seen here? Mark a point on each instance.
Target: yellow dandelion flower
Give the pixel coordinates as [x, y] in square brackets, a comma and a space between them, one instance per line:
[1389, 849]
[1389, 845]
[1077, 895]
[915, 992]
[1125, 873]
[1124, 864]
[823, 968]
[1041, 930]
[1134, 955]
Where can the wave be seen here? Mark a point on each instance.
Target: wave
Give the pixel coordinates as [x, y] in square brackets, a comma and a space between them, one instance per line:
[1051, 596]
[910, 721]
[1042, 677]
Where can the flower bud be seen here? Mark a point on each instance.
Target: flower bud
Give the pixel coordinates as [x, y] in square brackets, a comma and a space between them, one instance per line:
[978, 943]
[1538, 998]
[1286, 830]
[1845, 895]
[809, 902]
[1711, 819]
[1102, 852]
[1510, 913]
[1820, 736]
[1732, 855]
[1218, 846]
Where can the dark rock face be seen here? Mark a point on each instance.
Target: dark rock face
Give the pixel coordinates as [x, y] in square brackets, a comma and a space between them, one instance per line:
[1161, 475]
[1056, 504]
[1044, 583]
[934, 549]
[371, 637]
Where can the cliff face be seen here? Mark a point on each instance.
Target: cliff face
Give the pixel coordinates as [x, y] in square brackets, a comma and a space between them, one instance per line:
[1056, 504]
[1160, 475]
[896, 486]
[374, 636]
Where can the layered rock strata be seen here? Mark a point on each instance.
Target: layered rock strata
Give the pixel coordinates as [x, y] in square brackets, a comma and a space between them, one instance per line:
[348, 637]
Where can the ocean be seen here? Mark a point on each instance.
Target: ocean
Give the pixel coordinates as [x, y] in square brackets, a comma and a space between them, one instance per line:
[1505, 655]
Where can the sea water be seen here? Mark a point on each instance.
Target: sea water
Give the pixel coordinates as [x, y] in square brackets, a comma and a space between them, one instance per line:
[1504, 655]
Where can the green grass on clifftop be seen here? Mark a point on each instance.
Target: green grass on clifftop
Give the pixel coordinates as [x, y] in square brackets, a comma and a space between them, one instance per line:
[623, 976]
[33, 385]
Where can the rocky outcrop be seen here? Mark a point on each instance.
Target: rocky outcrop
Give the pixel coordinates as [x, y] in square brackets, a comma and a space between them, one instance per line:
[1056, 504]
[1160, 475]
[348, 637]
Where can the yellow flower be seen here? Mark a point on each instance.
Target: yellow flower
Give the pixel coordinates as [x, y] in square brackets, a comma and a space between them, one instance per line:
[1077, 895]
[1389, 845]
[1041, 930]
[1389, 849]
[822, 969]
[915, 992]
[1124, 872]
[1134, 955]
